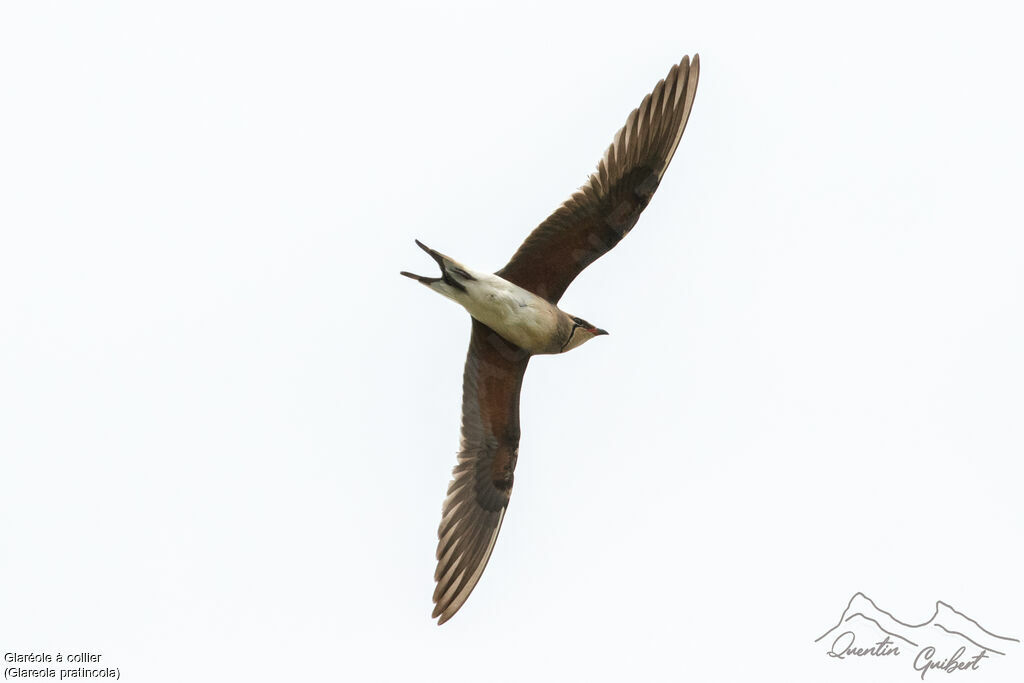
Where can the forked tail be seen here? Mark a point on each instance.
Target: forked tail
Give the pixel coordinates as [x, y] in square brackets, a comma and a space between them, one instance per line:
[451, 270]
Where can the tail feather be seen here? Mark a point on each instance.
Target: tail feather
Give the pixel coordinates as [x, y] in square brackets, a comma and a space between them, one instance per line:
[436, 255]
[420, 278]
[449, 267]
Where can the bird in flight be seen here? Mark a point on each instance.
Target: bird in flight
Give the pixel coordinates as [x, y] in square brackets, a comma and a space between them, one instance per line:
[515, 315]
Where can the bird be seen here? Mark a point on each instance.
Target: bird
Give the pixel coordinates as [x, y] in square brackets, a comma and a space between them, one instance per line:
[515, 315]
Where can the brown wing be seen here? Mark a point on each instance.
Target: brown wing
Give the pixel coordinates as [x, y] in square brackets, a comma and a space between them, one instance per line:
[482, 480]
[601, 212]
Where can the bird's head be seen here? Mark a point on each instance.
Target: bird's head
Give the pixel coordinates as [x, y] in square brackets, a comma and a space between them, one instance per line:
[580, 331]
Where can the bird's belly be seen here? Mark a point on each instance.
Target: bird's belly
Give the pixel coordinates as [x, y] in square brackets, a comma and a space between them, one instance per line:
[519, 316]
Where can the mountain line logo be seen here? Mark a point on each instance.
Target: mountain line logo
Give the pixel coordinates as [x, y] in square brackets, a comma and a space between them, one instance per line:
[950, 641]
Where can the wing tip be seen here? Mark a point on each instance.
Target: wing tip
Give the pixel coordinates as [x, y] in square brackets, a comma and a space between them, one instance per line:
[446, 607]
[462, 576]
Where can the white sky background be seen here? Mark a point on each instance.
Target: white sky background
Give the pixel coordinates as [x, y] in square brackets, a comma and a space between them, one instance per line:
[227, 424]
